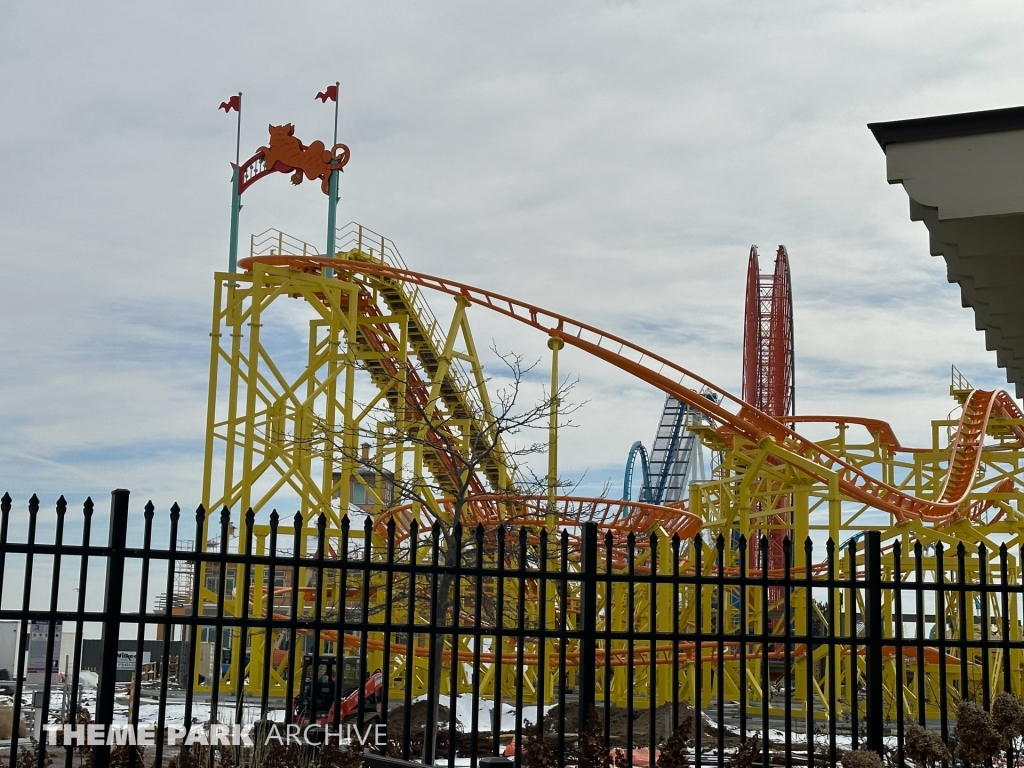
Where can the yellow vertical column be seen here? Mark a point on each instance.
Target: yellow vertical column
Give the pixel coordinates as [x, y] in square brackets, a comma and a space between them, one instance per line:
[211, 420]
[401, 415]
[333, 353]
[251, 378]
[708, 649]
[348, 433]
[967, 607]
[349, 438]
[552, 515]
[889, 619]
[234, 319]
[835, 511]
[211, 397]
[664, 606]
[730, 617]
[620, 622]
[260, 646]
[800, 597]
[847, 601]
[248, 446]
[835, 514]
[1016, 656]
[303, 421]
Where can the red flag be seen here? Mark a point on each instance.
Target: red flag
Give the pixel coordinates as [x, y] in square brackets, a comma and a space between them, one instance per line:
[235, 103]
[330, 93]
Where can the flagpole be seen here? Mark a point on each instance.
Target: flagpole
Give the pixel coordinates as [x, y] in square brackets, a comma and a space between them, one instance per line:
[337, 99]
[332, 189]
[236, 202]
[238, 131]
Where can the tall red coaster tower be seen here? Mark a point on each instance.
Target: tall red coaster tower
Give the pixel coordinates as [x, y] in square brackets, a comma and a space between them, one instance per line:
[768, 376]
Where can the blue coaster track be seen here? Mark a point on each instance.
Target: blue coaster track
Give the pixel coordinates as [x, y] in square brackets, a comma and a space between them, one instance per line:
[627, 484]
[666, 470]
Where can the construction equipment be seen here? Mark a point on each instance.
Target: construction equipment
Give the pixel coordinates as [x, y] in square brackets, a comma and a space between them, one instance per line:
[325, 692]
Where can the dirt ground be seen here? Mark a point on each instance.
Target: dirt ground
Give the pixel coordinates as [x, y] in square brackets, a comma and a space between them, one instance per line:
[417, 719]
[619, 723]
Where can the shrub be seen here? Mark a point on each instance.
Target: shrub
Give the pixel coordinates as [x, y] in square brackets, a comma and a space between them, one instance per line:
[748, 754]
[332, 756]
[1008, 717]
[673, 753]
[978, 739]
[592, 750]
[925, 748]
[121, 756]
[28, 756]
[190, 756]
[862, 758]
[537, 752]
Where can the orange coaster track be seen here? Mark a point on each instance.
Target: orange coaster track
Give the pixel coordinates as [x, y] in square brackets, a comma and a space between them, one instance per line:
[619, 518]
[730, 411]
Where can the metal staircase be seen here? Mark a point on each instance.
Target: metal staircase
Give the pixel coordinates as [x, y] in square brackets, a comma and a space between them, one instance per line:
[426, 339]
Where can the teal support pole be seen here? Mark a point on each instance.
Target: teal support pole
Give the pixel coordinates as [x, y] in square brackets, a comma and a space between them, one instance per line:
[236, 205]
[332, 216]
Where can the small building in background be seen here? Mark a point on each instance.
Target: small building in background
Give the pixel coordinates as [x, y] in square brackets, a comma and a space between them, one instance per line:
[366, 482]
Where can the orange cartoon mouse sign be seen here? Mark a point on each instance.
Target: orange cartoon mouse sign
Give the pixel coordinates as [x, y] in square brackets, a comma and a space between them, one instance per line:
[286, 154]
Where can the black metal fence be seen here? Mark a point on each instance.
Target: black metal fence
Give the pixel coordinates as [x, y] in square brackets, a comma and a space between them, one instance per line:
[572, 638]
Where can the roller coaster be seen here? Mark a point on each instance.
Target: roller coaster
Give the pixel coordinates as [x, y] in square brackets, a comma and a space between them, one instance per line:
[385, 396]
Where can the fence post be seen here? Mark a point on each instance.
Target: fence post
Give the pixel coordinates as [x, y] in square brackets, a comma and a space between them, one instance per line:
[111, 620]
[588, 624]
[874, 632]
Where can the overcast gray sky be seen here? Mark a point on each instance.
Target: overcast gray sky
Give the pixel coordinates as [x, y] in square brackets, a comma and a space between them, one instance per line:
[613, 161]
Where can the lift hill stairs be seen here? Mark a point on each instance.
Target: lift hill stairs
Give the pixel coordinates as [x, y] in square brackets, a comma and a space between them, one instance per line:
[376, 345]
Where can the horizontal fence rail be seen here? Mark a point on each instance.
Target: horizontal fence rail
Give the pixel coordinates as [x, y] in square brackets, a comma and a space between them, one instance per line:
[557, 646]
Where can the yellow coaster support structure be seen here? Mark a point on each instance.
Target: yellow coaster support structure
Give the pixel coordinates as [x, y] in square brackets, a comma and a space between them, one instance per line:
[378, 363]
[280, 424]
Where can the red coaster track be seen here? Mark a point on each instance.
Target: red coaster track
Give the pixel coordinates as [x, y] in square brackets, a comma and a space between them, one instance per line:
[768, 374]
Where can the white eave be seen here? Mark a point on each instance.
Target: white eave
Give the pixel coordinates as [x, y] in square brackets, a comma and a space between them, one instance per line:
[964, 175]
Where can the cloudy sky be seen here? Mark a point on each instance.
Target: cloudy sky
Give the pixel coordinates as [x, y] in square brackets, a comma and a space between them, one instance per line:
[613, 161]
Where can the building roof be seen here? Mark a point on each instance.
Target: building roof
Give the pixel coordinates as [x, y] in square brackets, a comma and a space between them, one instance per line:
[964, 175]
[944, 126]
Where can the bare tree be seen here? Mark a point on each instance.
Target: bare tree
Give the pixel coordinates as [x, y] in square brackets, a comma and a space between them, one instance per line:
[469, 445]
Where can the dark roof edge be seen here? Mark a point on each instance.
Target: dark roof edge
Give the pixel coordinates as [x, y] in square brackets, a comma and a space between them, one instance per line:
[945, 126]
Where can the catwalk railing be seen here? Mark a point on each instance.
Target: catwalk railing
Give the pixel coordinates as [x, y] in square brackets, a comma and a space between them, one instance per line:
[542, 628]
